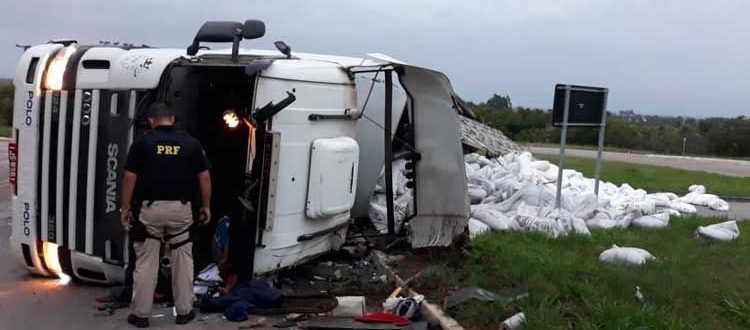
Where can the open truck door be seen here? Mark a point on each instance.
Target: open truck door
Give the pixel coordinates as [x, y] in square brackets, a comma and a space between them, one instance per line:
[440, 181]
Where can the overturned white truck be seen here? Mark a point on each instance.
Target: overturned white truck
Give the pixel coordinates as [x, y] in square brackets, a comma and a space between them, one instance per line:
[297, 144]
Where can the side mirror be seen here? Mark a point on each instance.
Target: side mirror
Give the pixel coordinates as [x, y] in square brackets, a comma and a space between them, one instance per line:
[225, 31]
[215, 31]
[253, 29]
[283, 48]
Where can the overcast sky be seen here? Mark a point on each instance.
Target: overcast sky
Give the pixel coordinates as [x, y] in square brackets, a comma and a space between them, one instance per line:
[657, 57]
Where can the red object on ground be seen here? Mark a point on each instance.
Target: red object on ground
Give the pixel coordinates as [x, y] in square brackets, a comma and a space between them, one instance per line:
[382, 317]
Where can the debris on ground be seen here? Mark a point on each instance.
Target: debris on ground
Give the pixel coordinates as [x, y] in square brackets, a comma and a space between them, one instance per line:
[460, 296]
[724, 231]
[350, 306]
[513, 322]
[629, 256]
[384, 317]
[255, 323]
[344, 324]
[639, 295]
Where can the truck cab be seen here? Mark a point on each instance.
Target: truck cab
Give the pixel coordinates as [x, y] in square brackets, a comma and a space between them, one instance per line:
[290, 156]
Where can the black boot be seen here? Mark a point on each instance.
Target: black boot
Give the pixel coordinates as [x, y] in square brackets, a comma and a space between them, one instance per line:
[185, 318]
[138, 322]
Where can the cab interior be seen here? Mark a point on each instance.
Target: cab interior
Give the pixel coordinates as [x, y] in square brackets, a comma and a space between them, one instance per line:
[201, 95]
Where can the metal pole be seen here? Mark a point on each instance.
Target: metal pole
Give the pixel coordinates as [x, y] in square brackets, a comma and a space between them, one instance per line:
[684, 145]
[563, 137]
[602, 128]
[388, 157]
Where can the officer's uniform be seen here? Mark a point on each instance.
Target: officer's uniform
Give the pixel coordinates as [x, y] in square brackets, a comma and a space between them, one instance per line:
[167, 162]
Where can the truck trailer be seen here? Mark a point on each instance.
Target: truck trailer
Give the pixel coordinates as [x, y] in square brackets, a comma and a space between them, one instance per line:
[297, 143]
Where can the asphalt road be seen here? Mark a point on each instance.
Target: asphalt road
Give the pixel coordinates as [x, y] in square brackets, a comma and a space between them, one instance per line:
[730, 167]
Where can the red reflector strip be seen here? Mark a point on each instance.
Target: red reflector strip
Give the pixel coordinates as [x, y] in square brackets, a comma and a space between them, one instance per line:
[13, 164]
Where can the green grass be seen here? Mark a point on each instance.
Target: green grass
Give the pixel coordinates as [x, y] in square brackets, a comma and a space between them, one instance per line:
[658, 178]
[5, 131]
[694, 284]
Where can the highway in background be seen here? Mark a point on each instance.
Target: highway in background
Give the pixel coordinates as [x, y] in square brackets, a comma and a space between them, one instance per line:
[731, 167]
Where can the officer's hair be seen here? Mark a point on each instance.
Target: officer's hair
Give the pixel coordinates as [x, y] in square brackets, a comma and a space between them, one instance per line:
[159, 109]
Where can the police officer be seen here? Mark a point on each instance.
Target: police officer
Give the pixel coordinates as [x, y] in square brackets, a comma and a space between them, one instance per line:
[166, 163]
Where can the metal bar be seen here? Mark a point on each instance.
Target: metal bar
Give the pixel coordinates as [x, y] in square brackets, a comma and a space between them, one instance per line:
[46, 131]
[583, 89]
[317, 116]
[578, 124]
[131, 133]
[74, 153]
[388, 153]
[91, 172]
[563, 137]
[60, 166]
[602, 128]
[382, 69]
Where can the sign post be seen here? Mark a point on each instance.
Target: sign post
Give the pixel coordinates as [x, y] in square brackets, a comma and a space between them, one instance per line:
[579, 106]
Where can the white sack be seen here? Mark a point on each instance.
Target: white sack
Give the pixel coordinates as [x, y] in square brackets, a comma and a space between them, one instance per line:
[580, 204]
[477, 228]
[725, 231]
[673, 212]
[628, 256]
[496, 220]
[528, 219]
[682, 207]
[658, 220]
[718, 205]
[476, 193]
[697, 188]
[567, 221]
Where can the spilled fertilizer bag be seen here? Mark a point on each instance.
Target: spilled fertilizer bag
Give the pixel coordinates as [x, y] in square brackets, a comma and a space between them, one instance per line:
[658, 220]
[495, 219]
[477, 228]
[628, 256]
[724, 231]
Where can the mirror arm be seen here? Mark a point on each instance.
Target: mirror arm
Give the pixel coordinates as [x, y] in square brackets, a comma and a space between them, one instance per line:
[269, 110]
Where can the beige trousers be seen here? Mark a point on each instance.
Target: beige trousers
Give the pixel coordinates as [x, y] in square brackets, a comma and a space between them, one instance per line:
[161, 219]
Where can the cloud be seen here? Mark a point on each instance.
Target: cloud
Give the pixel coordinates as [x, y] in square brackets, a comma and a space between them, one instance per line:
[666, 57]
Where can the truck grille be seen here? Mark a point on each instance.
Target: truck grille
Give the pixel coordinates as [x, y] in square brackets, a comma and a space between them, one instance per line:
[83, 140]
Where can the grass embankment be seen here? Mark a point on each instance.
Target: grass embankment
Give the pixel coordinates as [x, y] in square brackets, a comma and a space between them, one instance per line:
[5, 131]
[694, 284]
[658, 178]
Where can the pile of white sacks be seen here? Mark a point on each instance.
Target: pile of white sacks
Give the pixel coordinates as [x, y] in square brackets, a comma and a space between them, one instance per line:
[516, 192]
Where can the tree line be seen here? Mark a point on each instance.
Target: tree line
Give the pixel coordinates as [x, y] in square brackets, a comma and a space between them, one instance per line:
[723, 137]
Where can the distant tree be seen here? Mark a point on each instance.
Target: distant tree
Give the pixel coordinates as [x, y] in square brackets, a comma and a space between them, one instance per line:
[6, 105]
[500, 102]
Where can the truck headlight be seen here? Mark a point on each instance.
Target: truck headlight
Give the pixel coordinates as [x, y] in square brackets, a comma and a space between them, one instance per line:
[56, 71]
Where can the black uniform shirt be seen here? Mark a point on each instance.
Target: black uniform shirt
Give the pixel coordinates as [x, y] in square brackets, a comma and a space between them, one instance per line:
[167, 161]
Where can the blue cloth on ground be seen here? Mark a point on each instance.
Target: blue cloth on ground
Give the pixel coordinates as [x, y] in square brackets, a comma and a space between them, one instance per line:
[220, 239]
[243, 300]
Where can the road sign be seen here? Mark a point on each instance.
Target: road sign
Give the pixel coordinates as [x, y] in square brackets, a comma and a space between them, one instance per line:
[587, 105]
[580, 106]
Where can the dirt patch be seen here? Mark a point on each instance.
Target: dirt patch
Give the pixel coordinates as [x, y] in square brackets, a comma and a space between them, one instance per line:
[338, 274]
